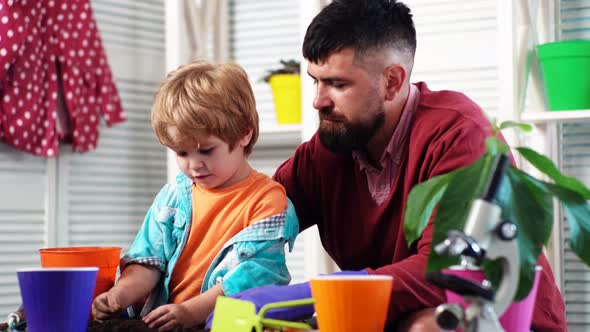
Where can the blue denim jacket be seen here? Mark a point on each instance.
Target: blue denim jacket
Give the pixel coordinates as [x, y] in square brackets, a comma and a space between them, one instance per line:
[253, 257]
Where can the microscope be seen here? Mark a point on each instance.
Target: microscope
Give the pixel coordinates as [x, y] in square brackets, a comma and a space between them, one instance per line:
[485, 237]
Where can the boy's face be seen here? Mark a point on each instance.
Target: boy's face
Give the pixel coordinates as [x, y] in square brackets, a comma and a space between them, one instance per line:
[211, 164]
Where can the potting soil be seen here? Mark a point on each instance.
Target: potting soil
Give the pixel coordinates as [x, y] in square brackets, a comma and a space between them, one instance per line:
[128, 325]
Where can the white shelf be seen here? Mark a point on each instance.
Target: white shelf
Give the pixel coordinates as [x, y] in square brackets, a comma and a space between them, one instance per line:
[555, 116]
[281, 128]
[276, 136]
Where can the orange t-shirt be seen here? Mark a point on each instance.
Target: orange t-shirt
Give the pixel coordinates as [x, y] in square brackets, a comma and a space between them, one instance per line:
[218, 215]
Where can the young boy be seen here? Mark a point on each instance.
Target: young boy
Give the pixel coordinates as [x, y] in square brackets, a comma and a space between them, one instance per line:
[221, 228]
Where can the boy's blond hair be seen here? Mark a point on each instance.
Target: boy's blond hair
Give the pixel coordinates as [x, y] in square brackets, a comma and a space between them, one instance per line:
[202, 99]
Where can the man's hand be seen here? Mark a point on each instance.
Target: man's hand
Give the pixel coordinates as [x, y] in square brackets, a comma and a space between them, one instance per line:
[168, 317]
[107, 305]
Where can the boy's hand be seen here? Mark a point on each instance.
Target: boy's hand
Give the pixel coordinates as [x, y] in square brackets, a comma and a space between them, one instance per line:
[106, 305]
[168, 317]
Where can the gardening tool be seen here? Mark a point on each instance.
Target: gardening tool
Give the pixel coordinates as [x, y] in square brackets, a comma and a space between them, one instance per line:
[232, 315]
[15, 321]
[484, 237]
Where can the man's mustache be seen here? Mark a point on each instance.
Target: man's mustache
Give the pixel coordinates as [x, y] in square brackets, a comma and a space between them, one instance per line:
[327, 113]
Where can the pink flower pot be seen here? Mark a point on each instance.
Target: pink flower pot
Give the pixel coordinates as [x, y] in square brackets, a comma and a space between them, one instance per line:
[518, 316]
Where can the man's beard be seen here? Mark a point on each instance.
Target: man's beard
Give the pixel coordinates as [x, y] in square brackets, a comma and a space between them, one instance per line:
[342, 136]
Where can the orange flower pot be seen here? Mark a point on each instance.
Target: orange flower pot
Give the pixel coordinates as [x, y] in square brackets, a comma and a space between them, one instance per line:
[105, 258]
[351, 303]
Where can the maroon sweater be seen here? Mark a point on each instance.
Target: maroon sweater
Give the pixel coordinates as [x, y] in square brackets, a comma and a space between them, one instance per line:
[329, 190]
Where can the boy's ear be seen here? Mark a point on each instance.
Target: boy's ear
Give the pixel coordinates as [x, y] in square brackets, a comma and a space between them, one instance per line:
[246, 139]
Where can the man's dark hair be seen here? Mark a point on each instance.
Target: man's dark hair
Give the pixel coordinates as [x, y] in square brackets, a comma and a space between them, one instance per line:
[364, 26]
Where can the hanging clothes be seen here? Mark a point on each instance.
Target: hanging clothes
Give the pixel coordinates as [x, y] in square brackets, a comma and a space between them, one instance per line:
[51, 54]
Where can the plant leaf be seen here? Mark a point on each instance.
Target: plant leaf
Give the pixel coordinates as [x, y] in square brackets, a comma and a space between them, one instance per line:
[421, 202]
[495, 146]
[525, 200]
[513, 124]
[577, 211]
[520, 200]
[526, 203]
[532, 211]
[546, 165]
[287, 67]
[466, 185]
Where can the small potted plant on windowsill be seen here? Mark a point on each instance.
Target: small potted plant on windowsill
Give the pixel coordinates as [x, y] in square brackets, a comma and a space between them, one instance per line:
[523, 199]
[285, 83]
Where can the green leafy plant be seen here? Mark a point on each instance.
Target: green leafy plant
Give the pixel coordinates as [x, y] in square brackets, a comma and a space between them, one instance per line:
[525, 200]
[287, 67]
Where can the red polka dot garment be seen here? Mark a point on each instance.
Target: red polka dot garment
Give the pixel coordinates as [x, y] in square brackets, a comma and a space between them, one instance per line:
[45, 44]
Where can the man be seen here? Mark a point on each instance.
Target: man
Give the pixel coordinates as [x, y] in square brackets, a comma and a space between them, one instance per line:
[378, 137]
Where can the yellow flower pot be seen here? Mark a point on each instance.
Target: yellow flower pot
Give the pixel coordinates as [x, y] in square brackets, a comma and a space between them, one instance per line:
[286, 92]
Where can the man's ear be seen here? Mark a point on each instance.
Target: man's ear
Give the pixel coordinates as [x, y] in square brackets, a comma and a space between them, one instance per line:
[394, 76]
[244, 141]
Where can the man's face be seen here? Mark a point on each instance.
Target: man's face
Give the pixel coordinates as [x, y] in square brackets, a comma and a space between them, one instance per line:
[349, 101]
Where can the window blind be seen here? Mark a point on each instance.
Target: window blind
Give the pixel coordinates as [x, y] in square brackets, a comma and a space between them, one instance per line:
[100, 197]
[442, 59]
[574, 144]
[23, 179]
[108, 191]
[575, 161]
[262, 32]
